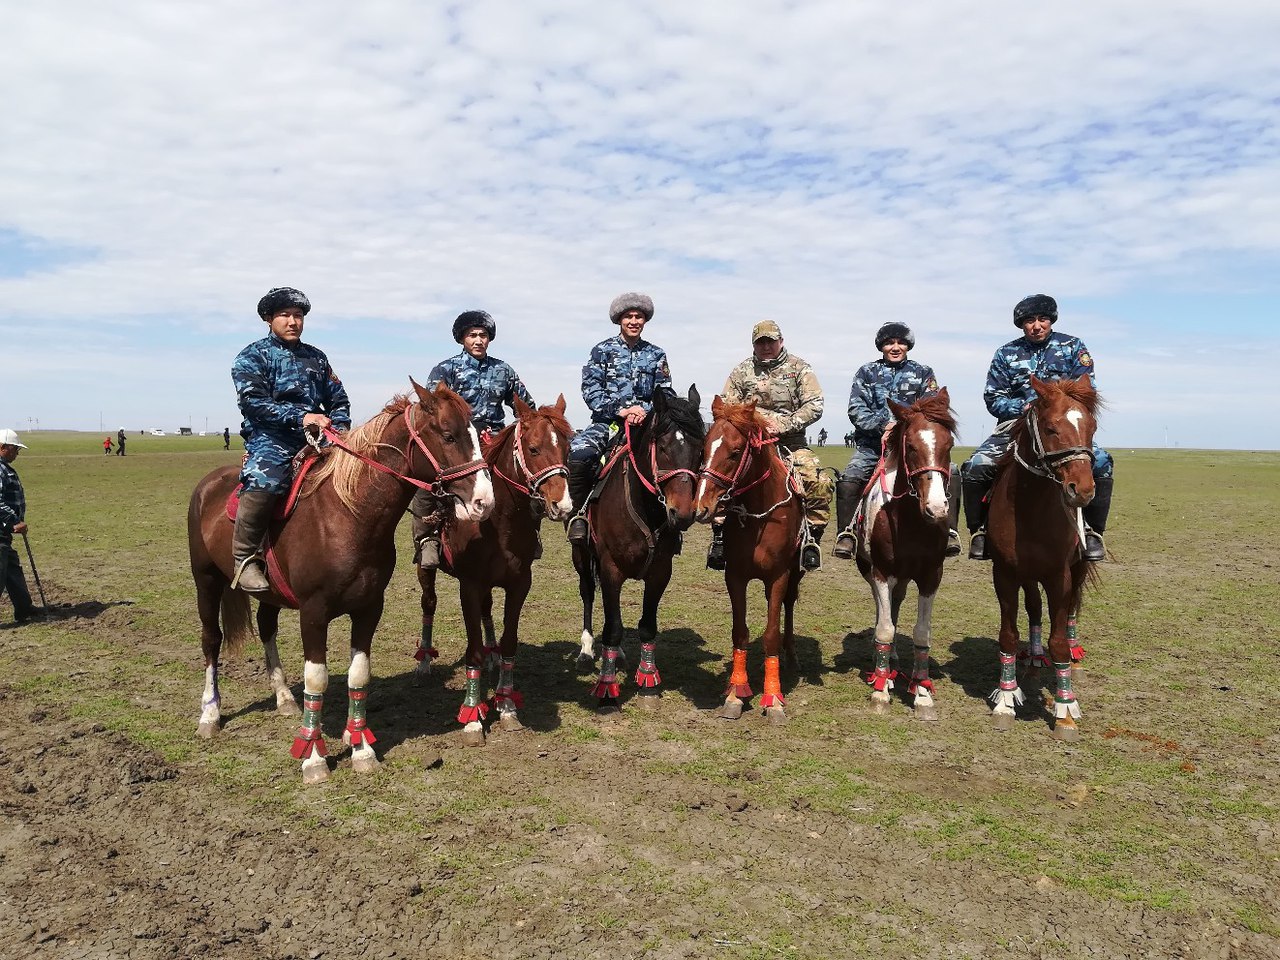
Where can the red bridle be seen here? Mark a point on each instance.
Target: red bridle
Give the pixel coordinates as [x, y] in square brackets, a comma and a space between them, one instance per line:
[756, 440]
[533, 480]
[660, 477]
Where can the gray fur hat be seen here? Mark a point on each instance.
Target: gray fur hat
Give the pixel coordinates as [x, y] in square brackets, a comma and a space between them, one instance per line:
[474, 318]
[280, 298]
[895, 330]
[630, 301]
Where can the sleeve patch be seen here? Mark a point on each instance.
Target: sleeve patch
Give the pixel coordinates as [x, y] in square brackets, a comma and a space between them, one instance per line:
[1085, 359]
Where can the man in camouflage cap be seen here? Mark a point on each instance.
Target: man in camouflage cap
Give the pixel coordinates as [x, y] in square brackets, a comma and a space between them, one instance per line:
[788, 396]
[486, 383]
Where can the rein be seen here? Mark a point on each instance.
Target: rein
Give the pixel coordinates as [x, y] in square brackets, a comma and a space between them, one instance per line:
[1047, 461]
[756, 440]
[660, 477]
[533, 480]
[443, 477]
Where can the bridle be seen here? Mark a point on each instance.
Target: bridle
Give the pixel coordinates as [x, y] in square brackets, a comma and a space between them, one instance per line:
[532, 481]
[1047, 462]
[756, 440]
[660, 477]
[911, 474]
[443, 477]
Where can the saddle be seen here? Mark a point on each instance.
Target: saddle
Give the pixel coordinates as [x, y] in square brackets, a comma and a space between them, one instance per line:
[284, 507]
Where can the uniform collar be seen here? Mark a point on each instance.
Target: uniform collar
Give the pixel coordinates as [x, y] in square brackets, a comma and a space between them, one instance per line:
[639, 343]
[280, 343]
[771, 364]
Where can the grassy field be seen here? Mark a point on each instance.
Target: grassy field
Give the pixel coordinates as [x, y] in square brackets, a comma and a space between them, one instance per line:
[672, 833]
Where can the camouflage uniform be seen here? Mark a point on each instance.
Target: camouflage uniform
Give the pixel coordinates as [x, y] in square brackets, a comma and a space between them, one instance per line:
[616, 377]
[277, 384]
[13, 510]
[486, 384]
[874, 385]
[786, 391]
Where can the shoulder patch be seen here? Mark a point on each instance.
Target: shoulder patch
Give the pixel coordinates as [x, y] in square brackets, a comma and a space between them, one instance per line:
[1085, 359]
[333, 377]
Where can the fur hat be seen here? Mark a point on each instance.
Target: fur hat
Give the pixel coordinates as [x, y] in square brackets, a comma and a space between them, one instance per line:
[895, 330]
[630, 301]
[280, 298]
[474, 318]
[1036, 305]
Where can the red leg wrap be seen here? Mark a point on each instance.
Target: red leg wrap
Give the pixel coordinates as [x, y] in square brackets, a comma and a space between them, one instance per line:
[360, 733]
[648, 680]
[423, 652]
[304, 747]
[606, 689]
[471, 714]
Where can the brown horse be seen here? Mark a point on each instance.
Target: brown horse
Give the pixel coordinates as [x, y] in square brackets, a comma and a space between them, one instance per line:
[1035, 531]
[743, 471]
[645, 501]
[335, 554]
[904, 539]
[528, 462]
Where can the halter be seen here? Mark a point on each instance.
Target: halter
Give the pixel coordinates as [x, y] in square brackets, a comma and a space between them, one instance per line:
[443, 477]
[660, 477]
[533, 480]
[1047, 461]
[945, 470]
[756, 440]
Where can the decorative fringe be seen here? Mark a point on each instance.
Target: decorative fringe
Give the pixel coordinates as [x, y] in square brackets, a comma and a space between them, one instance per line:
[1077, 653]
[1070, 708]
[359, 733]
[605, 689]
[468, 714]
[882, 680]
[423, 652]
[504, 701]
[772, 700]
[740, 690]
[1006, 698]
[918, 684]
[738, 684]
[647, 678]
[308, 742]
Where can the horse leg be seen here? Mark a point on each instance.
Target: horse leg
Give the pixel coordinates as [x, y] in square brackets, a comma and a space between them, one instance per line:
[210, 587]
[739, 689]
[268, 630]
[923, 707]
[884, 672]
[607, 689]
[363, 624]
[1066, 710]
[474, 707]
[506, 697]
[426, 651]
[1077, 649]
[1033, 657]
[648, 679]
[1007, 696]
[492, 655]
[309, 745]
[789, 620]
[587, 591]
[775, 707]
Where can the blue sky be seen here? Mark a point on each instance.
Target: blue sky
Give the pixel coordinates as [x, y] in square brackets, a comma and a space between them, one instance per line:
[829, 165]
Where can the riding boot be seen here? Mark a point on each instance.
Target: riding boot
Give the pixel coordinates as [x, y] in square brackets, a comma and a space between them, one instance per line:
[975, 515]
[426, 542]
[582, 477]
[715, 553]
[253, 515]
[953, 514]
[811, 555]
[848, 493]
[537, 539]
[1095, 519]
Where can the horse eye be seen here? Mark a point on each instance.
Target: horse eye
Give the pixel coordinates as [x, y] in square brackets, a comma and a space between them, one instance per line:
[448, 437]
[534, 451]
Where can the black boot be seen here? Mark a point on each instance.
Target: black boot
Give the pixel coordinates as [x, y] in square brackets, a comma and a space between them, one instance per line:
[811, 555]
[252, 519]
[582, 477]
[1095, 519]
[848, 493]
[715, 553]
[975, 514]
[953, 514]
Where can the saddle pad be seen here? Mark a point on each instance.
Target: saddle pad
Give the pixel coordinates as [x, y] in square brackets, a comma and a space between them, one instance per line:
[284, 506]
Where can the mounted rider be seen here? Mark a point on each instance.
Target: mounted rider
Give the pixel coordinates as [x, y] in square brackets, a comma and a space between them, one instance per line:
[486, 383]
[891, 377]
[1048, 355]
[619, 382]
[283, 386]
[788, 396]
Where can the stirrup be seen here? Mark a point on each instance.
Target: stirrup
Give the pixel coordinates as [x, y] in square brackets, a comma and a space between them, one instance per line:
[428, 553]
[811, 557]
[1095, 550]
[578, 531]
[953, 543]
[715, 552]
[846, 545]
[242, 567]
[978, 544]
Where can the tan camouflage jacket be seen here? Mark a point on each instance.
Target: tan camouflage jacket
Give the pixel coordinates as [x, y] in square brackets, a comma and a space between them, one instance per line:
[785, 390]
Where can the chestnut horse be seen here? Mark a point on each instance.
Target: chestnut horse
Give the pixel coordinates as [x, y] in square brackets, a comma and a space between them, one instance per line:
[527, 460]
[645, 502]
[904, 539]
[1035, 532]
[743, 471]
[335, 554]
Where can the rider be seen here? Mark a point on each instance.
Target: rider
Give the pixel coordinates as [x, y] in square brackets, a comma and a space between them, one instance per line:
[283, 387]
[789, 398]
[1050, 356]
[619, 382]
[486, 383]
[892, 377]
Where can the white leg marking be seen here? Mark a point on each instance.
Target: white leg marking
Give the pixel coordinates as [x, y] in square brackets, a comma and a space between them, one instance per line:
[210, 704]
[588, 644]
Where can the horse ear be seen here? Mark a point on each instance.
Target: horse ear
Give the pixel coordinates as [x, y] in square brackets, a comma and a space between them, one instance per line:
[694, 397]
[659, 400]
[1038, 385]
[944, 396]
[559, 404]
[717, 407]
[898, 410]
[522, 409]
[424, 395]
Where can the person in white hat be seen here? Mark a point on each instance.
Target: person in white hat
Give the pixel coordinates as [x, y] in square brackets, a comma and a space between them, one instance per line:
[13, 514]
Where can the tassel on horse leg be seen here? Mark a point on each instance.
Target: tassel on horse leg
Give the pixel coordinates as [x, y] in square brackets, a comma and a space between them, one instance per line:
[882, 676]
[309, 745]
[1077, 651]
[771, 700]
[1066, 710]
[923, 707]
[1007, 695]
[607, 689]
[473, 710]
[506, 698]
[739, 690]
[358, 734]
[426, 651]
[648, 679]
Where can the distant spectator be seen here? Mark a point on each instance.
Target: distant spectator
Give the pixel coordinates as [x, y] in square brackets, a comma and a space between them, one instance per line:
[106, 446]
[120, 442]
[13, 514]
[226, 438]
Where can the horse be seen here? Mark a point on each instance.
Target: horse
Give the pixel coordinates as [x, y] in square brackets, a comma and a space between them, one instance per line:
[1035, 532]
[334, 556]
[904, 540]
[743, 471]
[644, 503]
[528, 460]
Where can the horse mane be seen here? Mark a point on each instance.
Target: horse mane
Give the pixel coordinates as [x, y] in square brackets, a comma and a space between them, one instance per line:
[934, 409]
[1082, 393]
[558, 423]
[680, 414]
[347, 472]
[743, 416]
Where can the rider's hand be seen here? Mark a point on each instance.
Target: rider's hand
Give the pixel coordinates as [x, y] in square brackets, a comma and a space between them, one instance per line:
[632, 414]
[19, 528]
[317, 420]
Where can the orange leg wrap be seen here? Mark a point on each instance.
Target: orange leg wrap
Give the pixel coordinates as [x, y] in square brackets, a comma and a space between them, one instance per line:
[772, 684]
[739, 686]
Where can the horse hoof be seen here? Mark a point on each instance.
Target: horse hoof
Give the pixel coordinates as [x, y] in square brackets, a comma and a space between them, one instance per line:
[1077, 672]
[584, 663]
[288, 708]
[473, 736]
[732, 710]
[315, 773]
[608, 708]
[367, 763]
[777, 715]
[1065, 733]
[648, 700]
[925, 712]
[510, 723]
[1002, 721]
[206, 730]
[879, 707]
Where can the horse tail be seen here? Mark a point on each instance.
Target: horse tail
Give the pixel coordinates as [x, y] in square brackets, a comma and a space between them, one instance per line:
[237, 623]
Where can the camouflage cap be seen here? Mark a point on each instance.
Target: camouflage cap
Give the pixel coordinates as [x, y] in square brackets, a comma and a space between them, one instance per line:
[765, 330]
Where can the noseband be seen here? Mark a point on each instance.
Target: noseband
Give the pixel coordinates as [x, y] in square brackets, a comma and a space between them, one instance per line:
[660, 477]
[756, 440]
[1047, 462]
[532, 481]
[945, 469]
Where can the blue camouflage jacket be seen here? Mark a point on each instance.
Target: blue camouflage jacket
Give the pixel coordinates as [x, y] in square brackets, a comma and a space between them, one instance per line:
[485, 384]
[878, 382]
[277, 384]
[618, 376]
[13, 502]
[1060, 357]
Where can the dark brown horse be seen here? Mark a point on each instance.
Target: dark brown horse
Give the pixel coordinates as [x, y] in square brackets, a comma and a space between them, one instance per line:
[743, 472]
[336, 554]
[1034, 534]
[645, 502]
[527, 460]
[904, 540]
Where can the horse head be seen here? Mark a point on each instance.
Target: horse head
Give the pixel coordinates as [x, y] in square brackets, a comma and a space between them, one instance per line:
[446, 450]
[1059, 426]
[676, 434]
[541, 444]
[922, 439]
[727, 453]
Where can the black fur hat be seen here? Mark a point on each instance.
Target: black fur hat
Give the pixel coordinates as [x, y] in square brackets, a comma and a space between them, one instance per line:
[279, 298]
[894, 329]
[1036, 305]
[474, 318]
[630, 301]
